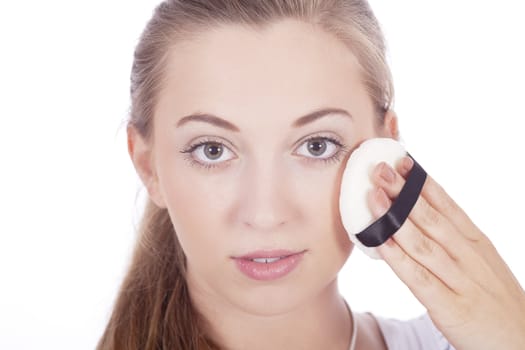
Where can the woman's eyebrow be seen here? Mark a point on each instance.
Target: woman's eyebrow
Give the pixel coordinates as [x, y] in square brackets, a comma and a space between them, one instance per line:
[310, 117]
[223, 123]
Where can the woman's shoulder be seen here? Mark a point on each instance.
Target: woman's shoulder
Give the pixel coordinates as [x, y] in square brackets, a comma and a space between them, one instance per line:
[418, 333]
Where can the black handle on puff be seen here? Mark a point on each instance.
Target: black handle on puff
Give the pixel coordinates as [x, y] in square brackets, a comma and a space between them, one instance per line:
[383, 228]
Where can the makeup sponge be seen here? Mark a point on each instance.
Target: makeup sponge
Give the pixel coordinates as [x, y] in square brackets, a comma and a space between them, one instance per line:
[363, 230]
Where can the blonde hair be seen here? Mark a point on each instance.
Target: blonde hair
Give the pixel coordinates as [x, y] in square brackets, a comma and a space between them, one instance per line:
[153, 309]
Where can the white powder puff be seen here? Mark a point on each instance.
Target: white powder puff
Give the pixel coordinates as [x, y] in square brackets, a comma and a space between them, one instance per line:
[357, 183]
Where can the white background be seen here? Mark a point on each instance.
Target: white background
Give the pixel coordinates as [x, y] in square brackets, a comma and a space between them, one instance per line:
[68, 191]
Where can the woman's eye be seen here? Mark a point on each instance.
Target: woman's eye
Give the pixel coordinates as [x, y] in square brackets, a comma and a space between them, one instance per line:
[319, 147]
[212, 152]
[208, 154]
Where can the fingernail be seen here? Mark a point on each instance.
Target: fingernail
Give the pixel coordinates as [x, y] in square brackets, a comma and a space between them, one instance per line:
[408, 163]
[387, 173]
[382, 200]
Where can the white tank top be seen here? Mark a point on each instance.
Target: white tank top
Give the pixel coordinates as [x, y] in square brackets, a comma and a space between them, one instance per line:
[418, 333]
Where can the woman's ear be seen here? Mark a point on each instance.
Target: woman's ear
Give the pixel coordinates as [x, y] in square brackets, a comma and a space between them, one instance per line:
[390, 126]
[141, 155]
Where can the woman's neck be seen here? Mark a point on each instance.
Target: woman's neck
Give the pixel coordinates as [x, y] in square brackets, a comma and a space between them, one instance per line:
[321, 323]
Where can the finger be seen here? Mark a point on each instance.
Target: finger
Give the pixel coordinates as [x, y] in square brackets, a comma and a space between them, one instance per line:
[423, 215]
[478, 259]
[489, 260]
[443, 203]
[437, 198]
[422, 250]
[425, 286]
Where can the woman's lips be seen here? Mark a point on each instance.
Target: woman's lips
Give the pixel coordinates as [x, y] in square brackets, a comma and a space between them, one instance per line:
[276, 253]
[270, 265]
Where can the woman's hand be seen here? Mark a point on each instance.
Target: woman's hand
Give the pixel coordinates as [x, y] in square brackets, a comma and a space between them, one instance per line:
[451, 267]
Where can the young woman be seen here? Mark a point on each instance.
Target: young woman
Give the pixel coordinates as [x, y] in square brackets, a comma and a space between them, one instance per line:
[243, 115]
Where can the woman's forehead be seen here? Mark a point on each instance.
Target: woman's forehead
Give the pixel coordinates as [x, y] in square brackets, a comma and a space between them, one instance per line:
[287, 70]
[288, 57]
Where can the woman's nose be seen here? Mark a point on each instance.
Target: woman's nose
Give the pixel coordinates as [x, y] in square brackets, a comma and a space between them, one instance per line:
[266, 198]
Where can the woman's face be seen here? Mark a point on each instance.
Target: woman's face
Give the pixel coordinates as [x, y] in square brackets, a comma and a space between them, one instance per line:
[258, 176]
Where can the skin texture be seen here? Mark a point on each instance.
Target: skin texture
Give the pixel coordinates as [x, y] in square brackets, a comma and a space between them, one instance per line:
[267, 190]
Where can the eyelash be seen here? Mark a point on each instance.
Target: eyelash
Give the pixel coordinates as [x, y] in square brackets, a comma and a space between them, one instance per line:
[343, 149]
